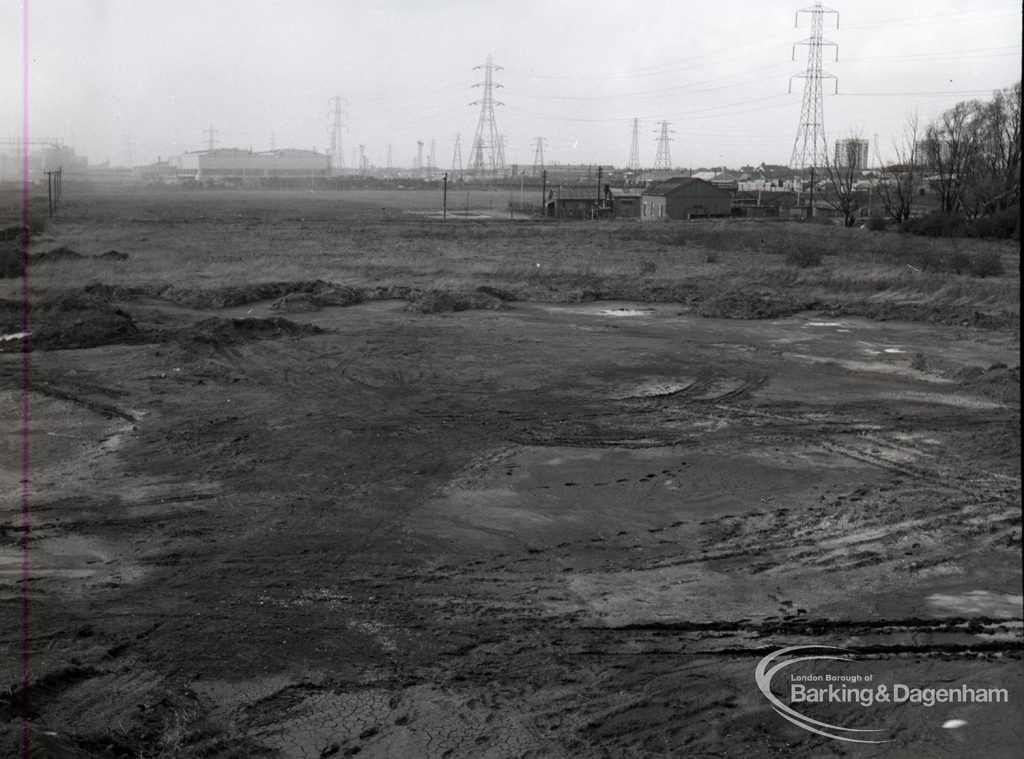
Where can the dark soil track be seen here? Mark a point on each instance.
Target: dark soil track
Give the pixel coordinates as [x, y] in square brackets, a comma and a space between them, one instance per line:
[524, 529]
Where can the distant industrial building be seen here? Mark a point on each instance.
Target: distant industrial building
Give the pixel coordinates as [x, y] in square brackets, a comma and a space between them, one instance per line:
[851, 152]
[759, 204]
[624, 203]
[684, 198]
[571, 203]
[577, 174]
[44, 155]
[236, 166]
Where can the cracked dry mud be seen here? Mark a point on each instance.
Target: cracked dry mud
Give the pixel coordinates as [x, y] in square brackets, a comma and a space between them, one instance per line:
[547, 531]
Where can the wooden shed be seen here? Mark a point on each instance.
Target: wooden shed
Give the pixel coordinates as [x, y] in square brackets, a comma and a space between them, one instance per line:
[571, 203]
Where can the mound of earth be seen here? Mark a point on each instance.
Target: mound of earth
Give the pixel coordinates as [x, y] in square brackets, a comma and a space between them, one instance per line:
[394, 292]
[336, 295]
[998, 382]
[296, 303]
[69, 321]
[57, 254]
[496, 292]
[120, 292]
[114, 255]
[10, 260]
[216, 331]
[225, 297]
[12, 232]
[751, 305]
[957, 315]
[320, 295]
[442, 301]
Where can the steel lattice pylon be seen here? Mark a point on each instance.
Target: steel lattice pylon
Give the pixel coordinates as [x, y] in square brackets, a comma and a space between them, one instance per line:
[335, 128]
[488, 147]
[457, 153]
[663, 159]
[634, 150]
[538, 156]
[810, 147]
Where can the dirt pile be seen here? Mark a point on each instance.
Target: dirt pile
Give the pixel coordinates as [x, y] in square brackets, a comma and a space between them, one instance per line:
[10, 233]
[496, 292]
[56, 255]
[752, 305]
[442, 301]
[998, 382]
[224, 297]
[954, 315]
[325, 293]
[68, 321]
[114, 255]
[10, 260]
[317, 296]
[216, 331]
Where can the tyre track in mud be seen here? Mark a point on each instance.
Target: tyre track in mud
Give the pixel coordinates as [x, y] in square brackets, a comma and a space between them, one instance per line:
[430, 657]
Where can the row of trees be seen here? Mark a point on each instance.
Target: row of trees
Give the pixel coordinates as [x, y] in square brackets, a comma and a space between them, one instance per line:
[969, 157]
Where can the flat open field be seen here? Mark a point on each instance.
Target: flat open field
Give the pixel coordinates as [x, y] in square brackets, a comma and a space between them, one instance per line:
[321, 474]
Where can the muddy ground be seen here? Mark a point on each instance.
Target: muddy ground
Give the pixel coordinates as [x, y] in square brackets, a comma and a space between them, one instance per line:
[380, 523]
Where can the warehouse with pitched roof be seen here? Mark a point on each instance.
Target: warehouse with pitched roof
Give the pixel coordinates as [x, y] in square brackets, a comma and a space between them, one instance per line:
[684, 198]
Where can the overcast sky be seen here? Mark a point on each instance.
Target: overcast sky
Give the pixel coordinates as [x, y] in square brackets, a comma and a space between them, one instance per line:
[575, 72]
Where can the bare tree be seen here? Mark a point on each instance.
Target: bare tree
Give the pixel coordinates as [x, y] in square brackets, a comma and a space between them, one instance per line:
[992, 177]
[841, 177]
[950, 146]
[899, 180]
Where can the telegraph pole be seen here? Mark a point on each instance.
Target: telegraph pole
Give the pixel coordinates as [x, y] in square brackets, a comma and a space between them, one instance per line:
[53, 190]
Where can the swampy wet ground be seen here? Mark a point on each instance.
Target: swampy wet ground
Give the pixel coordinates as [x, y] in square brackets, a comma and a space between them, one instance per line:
[523, 529]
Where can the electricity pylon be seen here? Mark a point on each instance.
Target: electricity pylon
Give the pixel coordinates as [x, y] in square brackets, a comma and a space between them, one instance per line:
[211, 133]
[634, 150]
[335, 127]
[810, 147]
[538, 156]
[663, 159]
[488, 149]
[457, 154]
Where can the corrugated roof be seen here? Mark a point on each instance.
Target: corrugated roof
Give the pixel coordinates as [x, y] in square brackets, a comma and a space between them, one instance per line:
[766, 197]
[664, 188]
[573, 193]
